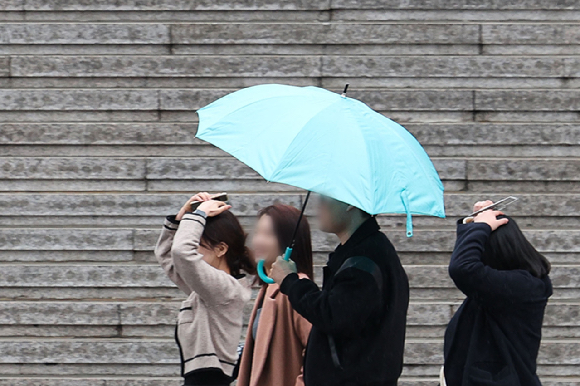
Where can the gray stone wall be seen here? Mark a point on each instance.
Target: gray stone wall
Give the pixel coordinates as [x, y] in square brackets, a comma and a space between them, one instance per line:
[97, 125]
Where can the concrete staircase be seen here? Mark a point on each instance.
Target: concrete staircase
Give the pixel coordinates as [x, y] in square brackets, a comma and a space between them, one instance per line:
[97, 126]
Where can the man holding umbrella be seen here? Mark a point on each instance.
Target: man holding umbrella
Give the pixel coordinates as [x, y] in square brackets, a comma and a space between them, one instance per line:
[363, 164]
[358, 318]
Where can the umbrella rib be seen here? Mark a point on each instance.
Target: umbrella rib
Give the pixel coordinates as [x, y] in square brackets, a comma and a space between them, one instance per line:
[278, 167]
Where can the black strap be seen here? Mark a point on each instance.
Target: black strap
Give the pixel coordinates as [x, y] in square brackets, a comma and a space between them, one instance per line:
[366, 265]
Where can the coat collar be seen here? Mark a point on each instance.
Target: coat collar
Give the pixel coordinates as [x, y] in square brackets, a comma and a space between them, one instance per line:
[366, 229]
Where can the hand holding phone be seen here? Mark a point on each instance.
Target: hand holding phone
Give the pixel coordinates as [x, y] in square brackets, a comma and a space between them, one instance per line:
[213, 208]
[196, 202]
[192, 204]
[494, 206]
[499, 205]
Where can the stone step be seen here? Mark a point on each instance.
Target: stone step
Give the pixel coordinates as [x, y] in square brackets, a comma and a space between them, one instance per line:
[164, 331]
[148, 282]
[100, 371]
[391, 225]
[177, 139]
[144, 351]
[422, 277]
[532, 211]
[76, 33]
[425, 82]
[126, 239]
[456, 5]
[286, 33]
[391, 101]
[247, 204]
[163, 169]
[225, 5]
[139, 174]
[448, 67]
[138, 381]
[183, 133]
[558, 314]
[169, 14]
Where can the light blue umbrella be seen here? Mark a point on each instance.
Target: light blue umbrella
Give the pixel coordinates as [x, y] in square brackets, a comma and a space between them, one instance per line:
[327, 143]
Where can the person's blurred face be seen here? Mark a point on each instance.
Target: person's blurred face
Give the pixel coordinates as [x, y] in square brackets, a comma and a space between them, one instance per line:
[331, 214]
[264, 240]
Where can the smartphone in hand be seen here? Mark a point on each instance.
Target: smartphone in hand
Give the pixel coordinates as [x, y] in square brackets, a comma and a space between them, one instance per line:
[498, 205]
[217, 197]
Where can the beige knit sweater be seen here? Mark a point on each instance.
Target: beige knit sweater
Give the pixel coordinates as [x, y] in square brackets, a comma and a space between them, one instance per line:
[209, 324]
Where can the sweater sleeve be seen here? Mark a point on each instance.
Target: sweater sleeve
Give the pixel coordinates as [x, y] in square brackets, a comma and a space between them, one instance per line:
[479, 281]
[163, 253]
[213, 286]
[340, 310]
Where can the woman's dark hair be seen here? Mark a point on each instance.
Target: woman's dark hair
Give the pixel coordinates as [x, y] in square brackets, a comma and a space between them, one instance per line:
[507, 248]
[284, 218]
[225, 228]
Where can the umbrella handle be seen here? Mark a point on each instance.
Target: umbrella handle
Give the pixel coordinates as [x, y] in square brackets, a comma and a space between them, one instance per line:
[265, 278]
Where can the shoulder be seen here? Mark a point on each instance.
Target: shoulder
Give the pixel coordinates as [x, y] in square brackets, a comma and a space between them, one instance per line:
[381, 251]
[243, 287]
[381, 243]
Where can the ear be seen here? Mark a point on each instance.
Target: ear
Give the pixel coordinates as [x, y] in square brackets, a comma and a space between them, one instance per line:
[221, 249]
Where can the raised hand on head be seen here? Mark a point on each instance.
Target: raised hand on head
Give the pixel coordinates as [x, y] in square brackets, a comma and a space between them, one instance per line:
[199, 197]
[213, 208]
[489, 217]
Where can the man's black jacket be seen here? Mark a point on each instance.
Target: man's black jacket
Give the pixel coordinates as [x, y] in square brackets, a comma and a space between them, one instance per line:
[366, 324]
[494, 337]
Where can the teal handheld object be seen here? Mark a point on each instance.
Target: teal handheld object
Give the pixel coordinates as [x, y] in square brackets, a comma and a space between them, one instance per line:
[260, 268]
[262, 273]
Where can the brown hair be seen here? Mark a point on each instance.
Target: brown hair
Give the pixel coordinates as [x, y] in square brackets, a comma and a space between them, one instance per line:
[225, 228]
[285, 218]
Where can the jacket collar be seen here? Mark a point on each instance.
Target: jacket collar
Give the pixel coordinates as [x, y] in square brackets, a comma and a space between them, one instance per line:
[366, 229]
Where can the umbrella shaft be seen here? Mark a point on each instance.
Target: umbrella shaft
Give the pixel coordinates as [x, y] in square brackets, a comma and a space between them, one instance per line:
[298, 223]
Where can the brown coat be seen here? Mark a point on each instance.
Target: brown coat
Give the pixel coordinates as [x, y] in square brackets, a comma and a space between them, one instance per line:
[275, 358]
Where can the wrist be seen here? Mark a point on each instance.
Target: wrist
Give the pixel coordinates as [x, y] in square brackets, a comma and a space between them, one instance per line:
[200, 212]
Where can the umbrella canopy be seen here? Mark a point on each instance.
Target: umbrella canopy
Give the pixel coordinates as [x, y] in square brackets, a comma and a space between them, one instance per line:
[327, 143]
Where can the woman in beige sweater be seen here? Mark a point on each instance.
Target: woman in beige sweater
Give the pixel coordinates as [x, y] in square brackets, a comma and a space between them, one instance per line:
[204, 254]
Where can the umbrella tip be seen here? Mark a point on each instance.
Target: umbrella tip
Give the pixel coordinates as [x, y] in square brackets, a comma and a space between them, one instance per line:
[345, 89]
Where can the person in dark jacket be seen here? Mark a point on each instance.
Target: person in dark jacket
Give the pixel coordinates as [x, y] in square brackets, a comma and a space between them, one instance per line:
[358, 318]
[494, 337]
